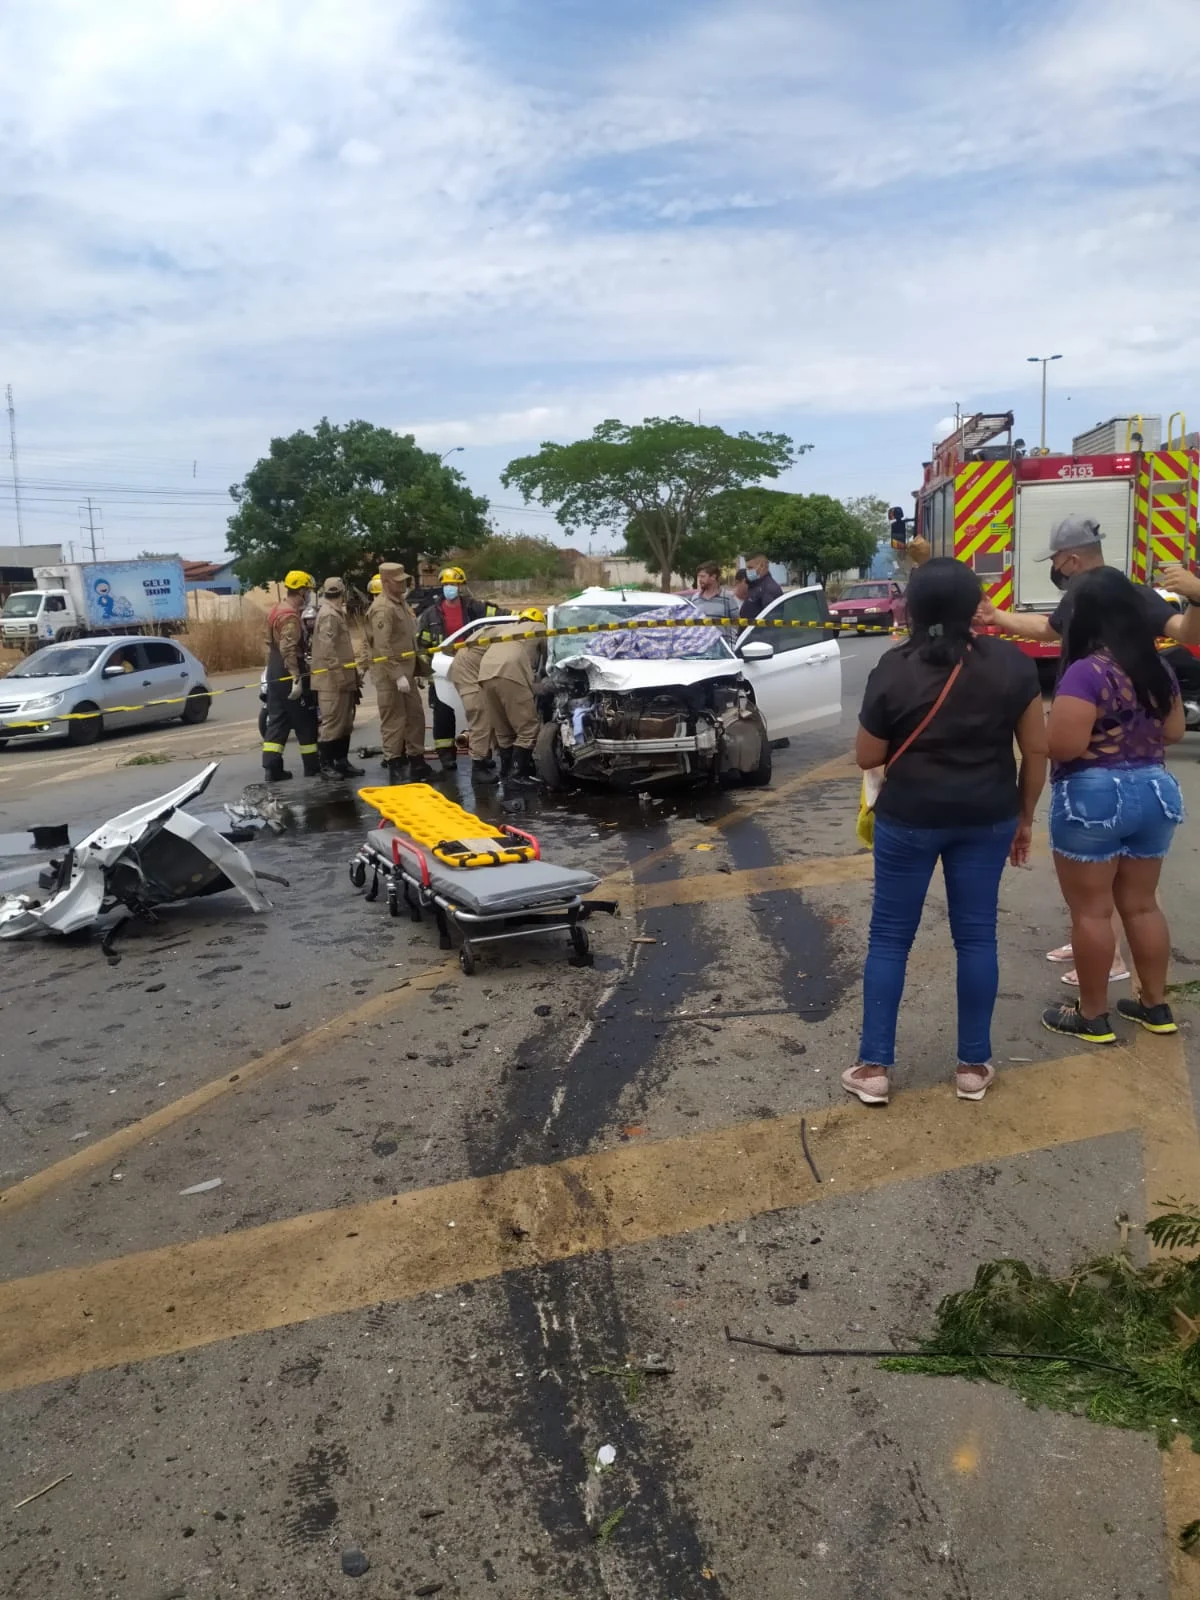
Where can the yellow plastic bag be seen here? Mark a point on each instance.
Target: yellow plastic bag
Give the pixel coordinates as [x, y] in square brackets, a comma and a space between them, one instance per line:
[872, 784]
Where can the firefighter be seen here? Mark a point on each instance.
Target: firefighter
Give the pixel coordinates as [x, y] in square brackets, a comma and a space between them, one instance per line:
[464, 675]
[290, 707]
[336, 681]
[452, 607]
[376, 585]
[390, 649]
[507, 675]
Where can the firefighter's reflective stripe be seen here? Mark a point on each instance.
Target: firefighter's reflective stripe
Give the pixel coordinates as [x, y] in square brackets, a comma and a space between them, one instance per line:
[270, 748]
[305, 749]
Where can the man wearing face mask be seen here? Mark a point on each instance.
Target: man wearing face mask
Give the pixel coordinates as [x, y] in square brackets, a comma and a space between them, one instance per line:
[762, 587]
[1075, 548]
[451, 610]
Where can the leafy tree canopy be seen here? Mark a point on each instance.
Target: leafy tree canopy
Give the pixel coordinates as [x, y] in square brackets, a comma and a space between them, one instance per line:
[657, 479]
[345, 497]
[511, 555]
[730, 525]
[816, 535]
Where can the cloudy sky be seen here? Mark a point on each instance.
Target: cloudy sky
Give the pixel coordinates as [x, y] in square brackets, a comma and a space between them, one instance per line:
[498, 221]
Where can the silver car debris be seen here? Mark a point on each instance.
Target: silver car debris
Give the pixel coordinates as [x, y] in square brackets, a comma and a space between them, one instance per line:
[152, 855]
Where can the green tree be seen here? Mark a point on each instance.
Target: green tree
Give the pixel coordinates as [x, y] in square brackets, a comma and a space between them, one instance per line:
[511, 555]
[816, 536]
[656, 479]
[343, 498]
[872, 513]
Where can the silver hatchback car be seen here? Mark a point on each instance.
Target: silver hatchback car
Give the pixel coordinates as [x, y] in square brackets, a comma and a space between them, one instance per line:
[118, 679]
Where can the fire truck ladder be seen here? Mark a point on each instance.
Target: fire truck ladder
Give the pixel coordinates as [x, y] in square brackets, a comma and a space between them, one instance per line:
[1177, 495]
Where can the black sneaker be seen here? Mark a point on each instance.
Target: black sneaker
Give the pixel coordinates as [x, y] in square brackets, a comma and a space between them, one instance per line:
[1071, 1021]
[1155, 1019]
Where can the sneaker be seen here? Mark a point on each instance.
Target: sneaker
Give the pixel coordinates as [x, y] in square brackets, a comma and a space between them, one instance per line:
[1155, 1019]
[1071, 1021]
[869, 1083]
[972, 1083]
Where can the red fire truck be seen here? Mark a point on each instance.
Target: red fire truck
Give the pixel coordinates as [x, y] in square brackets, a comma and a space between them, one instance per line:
[987, 502]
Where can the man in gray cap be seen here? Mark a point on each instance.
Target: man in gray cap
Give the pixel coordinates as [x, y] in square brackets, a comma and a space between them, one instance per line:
[1076, 547]
[335, 679]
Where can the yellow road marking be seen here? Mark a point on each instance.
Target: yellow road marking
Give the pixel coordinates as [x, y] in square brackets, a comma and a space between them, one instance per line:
[840, 768]
[1171, 1153]
[156, 1302]
[107, 1150]
[818, 873]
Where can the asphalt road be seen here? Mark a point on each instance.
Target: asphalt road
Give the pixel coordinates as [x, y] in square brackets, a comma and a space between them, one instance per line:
[451, 1210]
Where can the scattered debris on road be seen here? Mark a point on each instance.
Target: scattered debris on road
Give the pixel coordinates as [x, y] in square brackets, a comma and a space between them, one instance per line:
[38, 1493]
[152, 855]
[354, 1563]
[205, 1187]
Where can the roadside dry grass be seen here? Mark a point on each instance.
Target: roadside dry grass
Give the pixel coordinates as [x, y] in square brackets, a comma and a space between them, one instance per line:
[227, 645]
[8, 660]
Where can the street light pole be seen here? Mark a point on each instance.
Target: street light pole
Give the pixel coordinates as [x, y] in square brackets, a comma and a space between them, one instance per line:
[453, 452]
[1045, 360]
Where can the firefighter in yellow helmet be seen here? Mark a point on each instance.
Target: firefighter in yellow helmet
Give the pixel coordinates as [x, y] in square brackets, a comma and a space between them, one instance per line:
[376, 585]
[507, 675]
[291, 705]
[452, 607]
[390, 650]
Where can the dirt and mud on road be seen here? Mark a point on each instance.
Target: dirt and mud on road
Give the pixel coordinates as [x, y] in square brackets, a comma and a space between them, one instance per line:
[316, 1252]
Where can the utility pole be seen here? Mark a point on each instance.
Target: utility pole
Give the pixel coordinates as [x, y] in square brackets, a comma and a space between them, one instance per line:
[91, 515]
[16, 476]
[1045, 360]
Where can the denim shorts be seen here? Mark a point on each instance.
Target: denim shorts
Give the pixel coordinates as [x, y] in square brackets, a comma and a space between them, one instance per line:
[1115, 811]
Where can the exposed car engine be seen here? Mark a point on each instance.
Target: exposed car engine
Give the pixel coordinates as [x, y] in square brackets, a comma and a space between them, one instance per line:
[705, 730]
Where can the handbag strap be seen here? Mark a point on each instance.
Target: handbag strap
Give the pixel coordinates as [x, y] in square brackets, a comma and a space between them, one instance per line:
[926, 719]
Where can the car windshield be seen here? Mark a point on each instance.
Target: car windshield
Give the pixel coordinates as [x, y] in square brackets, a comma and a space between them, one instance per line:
[22, 605]
[60, 661]
[632, 644]
[865, 591]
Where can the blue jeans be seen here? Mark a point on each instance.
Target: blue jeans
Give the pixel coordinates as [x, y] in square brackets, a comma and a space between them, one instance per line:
[972, 863]
[1115, 811]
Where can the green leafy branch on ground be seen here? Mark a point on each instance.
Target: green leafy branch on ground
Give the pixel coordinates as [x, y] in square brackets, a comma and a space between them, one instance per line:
[1128, 1336]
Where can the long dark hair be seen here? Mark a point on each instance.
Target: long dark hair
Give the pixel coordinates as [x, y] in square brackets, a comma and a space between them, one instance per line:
[1106, 614]
[943, 596]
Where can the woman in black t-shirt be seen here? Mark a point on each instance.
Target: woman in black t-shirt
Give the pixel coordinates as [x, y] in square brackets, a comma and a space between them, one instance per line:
[954, 795]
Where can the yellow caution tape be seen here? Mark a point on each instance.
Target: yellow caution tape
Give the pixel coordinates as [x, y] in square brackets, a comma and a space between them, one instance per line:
[446, 829]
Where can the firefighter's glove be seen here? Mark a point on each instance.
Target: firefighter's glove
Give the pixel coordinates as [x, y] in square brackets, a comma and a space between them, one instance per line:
[297, 689]
[402, 683]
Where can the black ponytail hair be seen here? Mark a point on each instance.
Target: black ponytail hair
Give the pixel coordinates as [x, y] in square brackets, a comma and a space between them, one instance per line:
[1107, 614]
[943, 597]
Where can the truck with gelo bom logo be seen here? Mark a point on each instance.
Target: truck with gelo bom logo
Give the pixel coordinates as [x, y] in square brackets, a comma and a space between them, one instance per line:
[81, 600]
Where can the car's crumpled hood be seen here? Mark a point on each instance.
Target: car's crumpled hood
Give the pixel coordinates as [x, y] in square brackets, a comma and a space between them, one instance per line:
[623, 677]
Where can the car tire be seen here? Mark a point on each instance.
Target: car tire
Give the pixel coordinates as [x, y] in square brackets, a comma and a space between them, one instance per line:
[547, 759]
[761, 776]
[197, 707]
[88, 729]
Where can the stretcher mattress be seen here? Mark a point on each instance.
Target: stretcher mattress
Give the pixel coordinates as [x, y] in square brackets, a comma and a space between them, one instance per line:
[490, 891]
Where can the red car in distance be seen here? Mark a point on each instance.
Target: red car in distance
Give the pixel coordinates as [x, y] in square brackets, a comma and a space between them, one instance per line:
[870, 603]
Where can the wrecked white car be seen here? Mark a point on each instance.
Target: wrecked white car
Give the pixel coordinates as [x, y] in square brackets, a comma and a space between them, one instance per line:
[152, 855]
[633, 705]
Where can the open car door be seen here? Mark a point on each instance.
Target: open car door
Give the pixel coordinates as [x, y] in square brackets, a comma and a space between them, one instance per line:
[801, 683]
[442, 657]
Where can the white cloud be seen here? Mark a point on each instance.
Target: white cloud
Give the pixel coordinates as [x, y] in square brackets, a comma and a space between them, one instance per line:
[223, 220]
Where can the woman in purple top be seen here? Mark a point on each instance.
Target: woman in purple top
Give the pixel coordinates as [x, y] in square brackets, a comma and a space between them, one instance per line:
[1114, 806]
